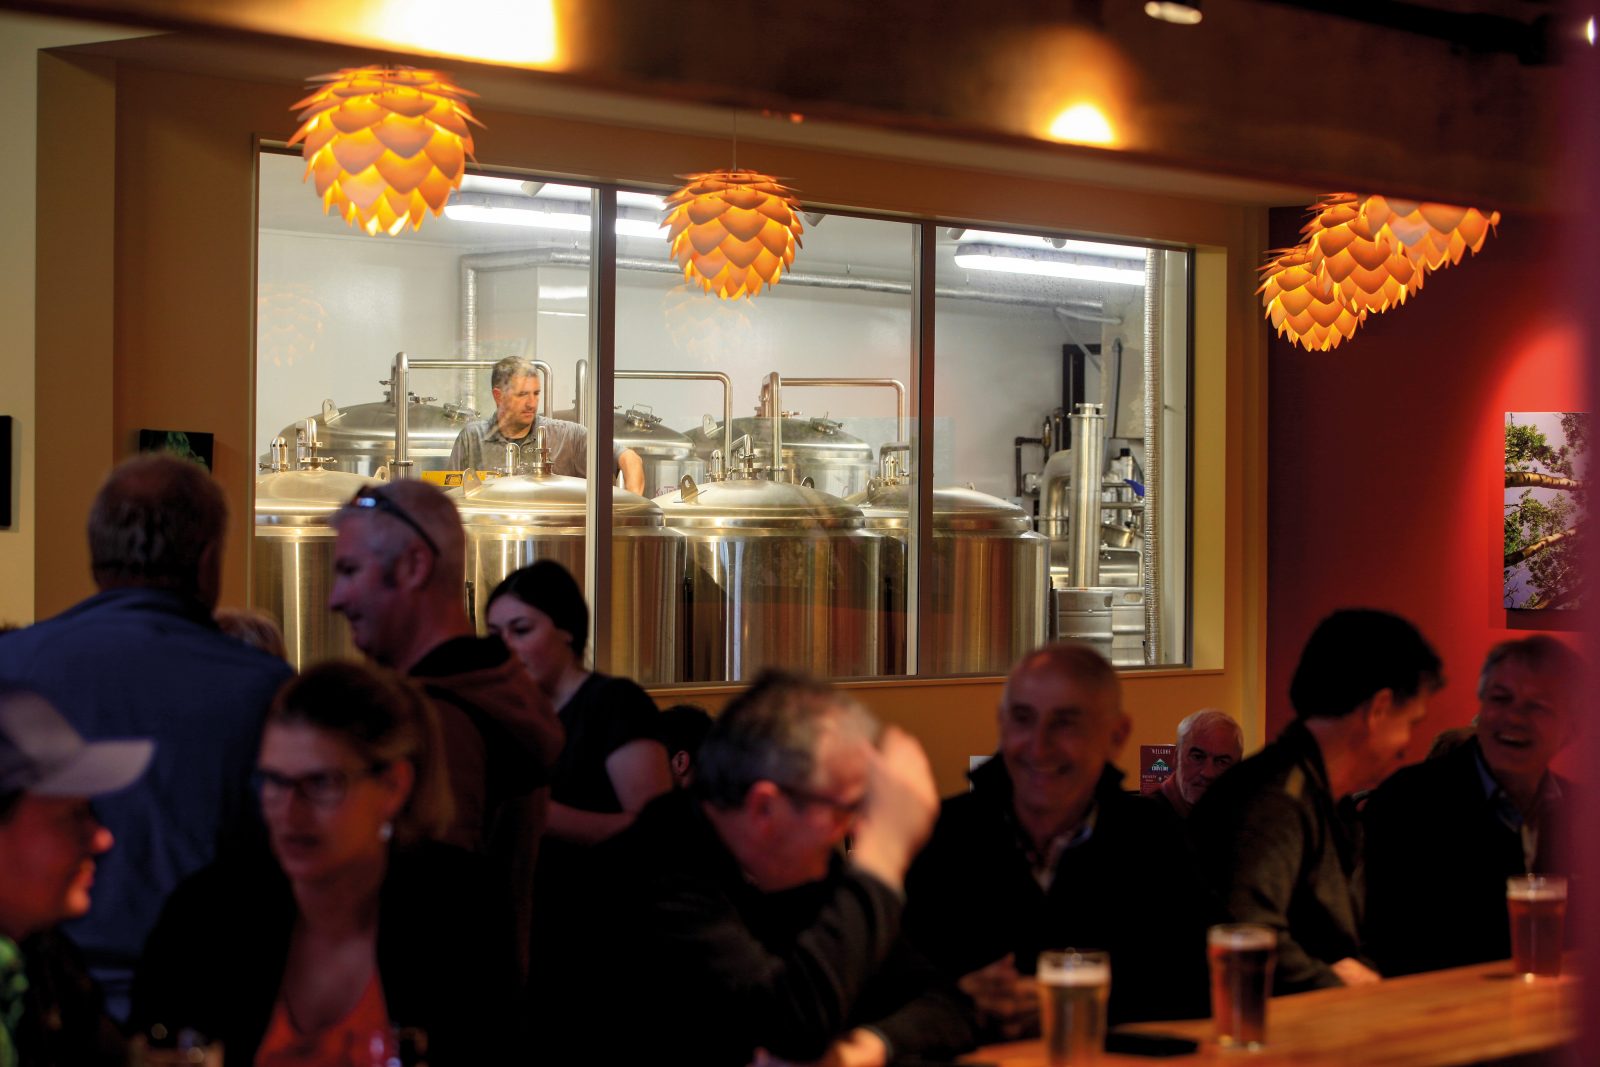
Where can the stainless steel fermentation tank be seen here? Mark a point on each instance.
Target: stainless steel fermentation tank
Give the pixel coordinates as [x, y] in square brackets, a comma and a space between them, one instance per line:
[778, 575]
[361, 439]
[292, 559]
[989, 575]
[511, 522]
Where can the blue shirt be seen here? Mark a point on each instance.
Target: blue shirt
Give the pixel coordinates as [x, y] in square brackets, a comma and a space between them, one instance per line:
[152, 663]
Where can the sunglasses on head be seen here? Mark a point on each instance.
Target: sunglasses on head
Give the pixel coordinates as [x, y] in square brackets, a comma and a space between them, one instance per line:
[370, 499]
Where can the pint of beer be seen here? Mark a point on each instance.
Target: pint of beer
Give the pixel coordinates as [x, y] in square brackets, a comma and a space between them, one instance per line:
[1242, 956]
[1538, 907]
[1073, 989]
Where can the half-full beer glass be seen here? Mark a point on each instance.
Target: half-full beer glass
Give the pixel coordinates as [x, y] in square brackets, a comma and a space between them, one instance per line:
[1538, 907]
[1073, 989]
[1242, 957]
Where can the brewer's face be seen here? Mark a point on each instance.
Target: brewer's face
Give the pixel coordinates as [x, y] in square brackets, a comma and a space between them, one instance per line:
[530, 635]
[812, 823]
[364, 591]
[47, 851]
[323, 806]
[516, 403]
[1524, 719]
[1209, 750]
[1056, 735]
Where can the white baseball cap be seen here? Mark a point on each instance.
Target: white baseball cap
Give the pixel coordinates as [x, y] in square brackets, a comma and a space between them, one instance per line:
[41, 754]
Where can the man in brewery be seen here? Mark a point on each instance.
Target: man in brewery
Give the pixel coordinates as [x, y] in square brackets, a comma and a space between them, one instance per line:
[1209, 742]
[398, 564]
[1047, 850]
[1276, 837]
[50, 839]
[144, 657]
[1443, 836]
[516, 386]
[741, 928]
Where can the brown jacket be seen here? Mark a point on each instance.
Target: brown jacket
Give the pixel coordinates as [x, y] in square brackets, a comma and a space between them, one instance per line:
[501, 737]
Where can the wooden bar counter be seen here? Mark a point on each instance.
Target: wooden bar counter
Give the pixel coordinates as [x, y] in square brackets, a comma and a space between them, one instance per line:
[1462, 1016]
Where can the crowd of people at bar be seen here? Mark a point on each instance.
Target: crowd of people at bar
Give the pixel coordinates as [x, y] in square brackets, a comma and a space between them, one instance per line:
[472, 849]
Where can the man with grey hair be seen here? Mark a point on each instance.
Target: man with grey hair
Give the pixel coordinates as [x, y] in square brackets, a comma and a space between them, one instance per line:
[144, 657]
[516, 387]
[749, 934]
[1047, 850]
[1209, 742]
[398, 570]
[1443, 836]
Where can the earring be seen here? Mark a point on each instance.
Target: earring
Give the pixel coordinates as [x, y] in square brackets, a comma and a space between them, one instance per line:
[385, 832]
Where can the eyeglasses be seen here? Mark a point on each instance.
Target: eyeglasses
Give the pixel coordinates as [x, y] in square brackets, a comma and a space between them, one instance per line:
[321, 789]
[842, 811]
[371, 499]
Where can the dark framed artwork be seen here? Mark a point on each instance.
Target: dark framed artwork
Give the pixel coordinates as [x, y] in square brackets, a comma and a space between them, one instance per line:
[185, 444]
[1546, 518]
[6, 452]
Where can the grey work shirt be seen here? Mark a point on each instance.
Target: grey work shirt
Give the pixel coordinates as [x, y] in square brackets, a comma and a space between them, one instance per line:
[481, 444]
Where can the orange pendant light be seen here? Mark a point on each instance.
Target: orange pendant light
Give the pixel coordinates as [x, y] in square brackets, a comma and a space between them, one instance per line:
[386, 145]
[733, 231]
[1362, 255]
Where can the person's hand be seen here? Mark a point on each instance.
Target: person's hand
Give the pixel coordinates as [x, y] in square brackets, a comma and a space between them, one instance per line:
[1007, 1002]
[1354, 972]
[858, 1048]
[901, 805]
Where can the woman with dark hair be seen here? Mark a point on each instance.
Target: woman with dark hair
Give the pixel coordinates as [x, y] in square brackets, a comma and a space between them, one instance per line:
[358, 927]
[613, 762]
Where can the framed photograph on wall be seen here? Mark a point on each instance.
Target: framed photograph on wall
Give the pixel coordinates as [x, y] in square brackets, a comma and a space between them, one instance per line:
[1547, 460]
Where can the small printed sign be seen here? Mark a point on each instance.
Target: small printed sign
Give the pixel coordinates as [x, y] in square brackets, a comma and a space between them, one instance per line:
[1156, 764]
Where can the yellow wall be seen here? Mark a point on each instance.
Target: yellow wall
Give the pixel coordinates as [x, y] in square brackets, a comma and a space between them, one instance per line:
[175, 328]
[21, 37]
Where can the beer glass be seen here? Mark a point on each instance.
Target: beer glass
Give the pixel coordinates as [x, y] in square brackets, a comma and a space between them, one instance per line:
[1538, 907]
[1073, 989]
[1242, 956]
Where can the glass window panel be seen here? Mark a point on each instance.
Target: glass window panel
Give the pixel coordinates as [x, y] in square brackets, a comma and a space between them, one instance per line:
[503, 274]
[1041, 373]
[778, 573]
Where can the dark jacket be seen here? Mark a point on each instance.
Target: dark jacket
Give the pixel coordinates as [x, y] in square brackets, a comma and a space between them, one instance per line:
[63, 1023]
[971, 897]
[1437, 861]
[718, 968]
[1274, 847]
[501, 738]
[216, 958]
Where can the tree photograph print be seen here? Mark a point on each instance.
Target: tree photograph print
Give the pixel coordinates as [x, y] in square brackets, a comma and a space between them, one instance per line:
[1547, 460]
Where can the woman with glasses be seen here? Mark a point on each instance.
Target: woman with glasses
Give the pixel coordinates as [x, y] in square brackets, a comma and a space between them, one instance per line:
[358, 931]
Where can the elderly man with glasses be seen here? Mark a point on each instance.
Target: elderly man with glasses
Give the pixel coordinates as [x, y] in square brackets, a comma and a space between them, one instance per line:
[740, 929]
[399, 564]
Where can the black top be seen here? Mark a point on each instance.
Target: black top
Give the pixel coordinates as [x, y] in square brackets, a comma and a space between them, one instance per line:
[1438, 856]
[216, 958]
[63, 1022]
[604, 714]
[1275, 847]
[715, 968]
[972, 898]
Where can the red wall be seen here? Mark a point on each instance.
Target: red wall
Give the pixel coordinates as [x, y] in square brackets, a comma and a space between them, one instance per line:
[1385, 458]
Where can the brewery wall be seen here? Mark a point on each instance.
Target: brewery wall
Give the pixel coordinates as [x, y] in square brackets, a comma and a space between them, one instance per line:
[170, 331]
